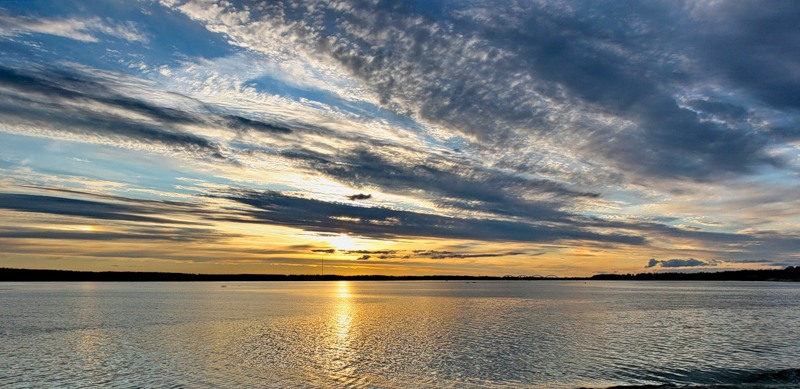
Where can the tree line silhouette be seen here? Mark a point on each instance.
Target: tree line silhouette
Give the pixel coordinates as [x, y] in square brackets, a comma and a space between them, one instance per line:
[791, 273]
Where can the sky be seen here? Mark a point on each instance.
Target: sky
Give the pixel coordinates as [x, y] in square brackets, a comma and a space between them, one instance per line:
[480, 137]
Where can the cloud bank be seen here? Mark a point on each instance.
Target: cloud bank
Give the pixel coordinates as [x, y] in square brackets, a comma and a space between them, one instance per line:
[678, 263]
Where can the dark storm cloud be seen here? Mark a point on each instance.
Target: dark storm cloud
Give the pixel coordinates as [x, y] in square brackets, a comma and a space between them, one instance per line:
[378, 222]
[689, 262]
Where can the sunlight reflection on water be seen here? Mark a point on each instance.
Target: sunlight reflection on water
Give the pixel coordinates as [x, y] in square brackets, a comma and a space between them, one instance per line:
[339, 359]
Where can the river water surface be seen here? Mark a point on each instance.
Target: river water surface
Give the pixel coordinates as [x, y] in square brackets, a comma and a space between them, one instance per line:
[400, 334]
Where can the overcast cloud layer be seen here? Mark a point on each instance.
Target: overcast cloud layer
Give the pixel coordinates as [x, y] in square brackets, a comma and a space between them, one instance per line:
[432, 137]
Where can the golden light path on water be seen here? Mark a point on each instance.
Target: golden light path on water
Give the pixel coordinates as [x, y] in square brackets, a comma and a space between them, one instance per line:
[341, 356]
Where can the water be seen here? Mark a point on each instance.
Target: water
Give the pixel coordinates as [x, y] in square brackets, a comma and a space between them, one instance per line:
[548, 334]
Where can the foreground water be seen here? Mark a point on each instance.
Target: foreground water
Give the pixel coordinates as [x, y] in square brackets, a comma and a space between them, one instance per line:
[400, 334]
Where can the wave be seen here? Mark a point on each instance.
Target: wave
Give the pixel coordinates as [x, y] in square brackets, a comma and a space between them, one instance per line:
[778, 377]
[762, 379]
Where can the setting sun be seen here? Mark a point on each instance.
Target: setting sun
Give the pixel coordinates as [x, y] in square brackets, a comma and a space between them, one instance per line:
[342, 242]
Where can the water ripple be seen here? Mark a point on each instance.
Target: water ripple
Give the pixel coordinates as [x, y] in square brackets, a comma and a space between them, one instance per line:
[401, 334]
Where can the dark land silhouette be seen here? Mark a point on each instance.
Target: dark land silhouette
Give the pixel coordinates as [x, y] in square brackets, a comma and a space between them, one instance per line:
[791, 273]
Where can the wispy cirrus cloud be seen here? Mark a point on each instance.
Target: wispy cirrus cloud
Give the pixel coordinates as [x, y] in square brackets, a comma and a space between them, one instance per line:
[82, 29]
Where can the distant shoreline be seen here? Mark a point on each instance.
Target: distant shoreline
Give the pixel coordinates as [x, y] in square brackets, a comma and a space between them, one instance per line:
[791, 273]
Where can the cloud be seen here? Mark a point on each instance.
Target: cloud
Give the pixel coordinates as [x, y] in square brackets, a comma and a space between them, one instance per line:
[242, 123]
[751, 45]
[102, 218]
[314, 215]
[92, 108]
[85, 208]
[689, 262]
[436, 254]
[565, 76]
[84, 30]
[360, 196]
[69, 103]
[151, 234]
[449, 183]
[409, 254]
[142, 220]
